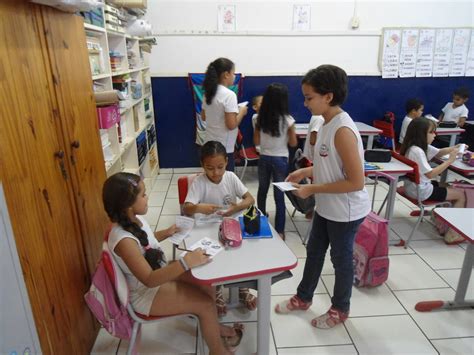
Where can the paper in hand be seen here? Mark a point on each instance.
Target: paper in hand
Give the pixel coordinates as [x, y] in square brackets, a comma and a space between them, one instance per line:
[185, 224]
[245, 103]
[285, 186]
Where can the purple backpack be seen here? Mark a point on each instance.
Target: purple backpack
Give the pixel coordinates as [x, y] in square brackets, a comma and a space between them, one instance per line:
[108, 296]
[371, 252]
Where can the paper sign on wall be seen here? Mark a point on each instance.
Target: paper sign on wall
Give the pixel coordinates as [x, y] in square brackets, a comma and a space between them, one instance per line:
[301, 17]
[470, 58]
[408, 53]
[390, 55]
[226, 19]
[442, 53]
[459, 52]
[424, 58]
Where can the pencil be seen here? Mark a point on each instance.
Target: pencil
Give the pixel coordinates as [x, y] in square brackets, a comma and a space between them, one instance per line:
[184, 249]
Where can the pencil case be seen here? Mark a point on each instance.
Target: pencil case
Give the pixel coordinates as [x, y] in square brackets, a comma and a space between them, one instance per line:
[377, 155]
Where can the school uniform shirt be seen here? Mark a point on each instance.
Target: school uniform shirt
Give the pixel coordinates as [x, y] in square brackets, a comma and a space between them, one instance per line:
[327, 168]
[315, 124]
[417, 154]
[216, 130]
[277, 146]
[203, 190]
[403, 131]
[452, 114]
[254, 123]
[141, 296]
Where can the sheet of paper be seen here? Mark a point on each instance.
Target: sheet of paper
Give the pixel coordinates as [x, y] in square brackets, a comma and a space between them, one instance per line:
[210, 247]
[185, 224]
[204, 219]
[284, 186]
[245, 103]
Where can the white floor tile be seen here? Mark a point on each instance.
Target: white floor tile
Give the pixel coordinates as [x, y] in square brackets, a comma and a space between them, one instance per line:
[293, 240]
[171, 206]
[172, 192]
[288, 286]
[105, 343]
[460, 346]
[439, 255]
[156, 198]
[400, 210]
[187, 170]
[407, 272]
[403, 227]
[320, 350]
[369, 301]
[388, 335]
[164, 177]
[438, 324]
[152, 215]
[165, 221]
[166, 171]
[175, 178]
[295, 329]
[452, 278]
[161, 185]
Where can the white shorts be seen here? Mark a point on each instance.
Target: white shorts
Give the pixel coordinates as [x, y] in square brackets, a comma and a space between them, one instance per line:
[142, 299]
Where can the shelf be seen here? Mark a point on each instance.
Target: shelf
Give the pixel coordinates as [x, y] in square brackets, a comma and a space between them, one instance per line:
[129, 71]
[109, 164]
[126, 145]
[100, 76]
[132, 171]
[94, 28]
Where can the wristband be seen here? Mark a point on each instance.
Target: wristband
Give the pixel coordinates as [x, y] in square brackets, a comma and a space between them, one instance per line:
[183, 263]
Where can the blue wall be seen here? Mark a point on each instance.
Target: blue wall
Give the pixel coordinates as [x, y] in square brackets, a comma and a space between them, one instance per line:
[369, 97]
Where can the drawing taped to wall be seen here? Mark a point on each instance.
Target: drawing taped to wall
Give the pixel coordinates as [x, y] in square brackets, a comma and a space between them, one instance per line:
[301, 17]
[226, 20]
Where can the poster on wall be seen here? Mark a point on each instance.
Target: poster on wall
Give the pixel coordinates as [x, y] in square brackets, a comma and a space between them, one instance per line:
[461, 40]
[408, 53]
[390, 54]
[301, 17]
[424, 58]
[470, 58]
[226, 19]
[442, 53]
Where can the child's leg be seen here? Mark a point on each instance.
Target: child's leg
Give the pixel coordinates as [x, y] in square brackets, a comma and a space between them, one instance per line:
[177, 297]
[279, 172]
[249, 300]
[457, 196]
[264, 175]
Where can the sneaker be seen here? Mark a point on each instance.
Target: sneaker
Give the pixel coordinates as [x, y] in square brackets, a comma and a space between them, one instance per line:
[330, 319]
[293, 304]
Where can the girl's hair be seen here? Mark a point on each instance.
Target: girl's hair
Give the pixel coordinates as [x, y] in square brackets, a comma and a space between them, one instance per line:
[212, 148]
[119, 193]
[273, 110]
[417, 132]
[213, 74]
[328, 79]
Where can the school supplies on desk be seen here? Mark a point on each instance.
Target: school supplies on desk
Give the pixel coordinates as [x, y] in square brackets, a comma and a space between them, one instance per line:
[371, 166]
[264, 232]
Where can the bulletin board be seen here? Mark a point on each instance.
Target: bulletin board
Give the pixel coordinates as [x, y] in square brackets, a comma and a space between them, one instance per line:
[426, 52]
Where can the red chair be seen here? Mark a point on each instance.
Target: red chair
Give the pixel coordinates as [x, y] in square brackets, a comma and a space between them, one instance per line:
[244, 154]
[415, 178]
[388, 131]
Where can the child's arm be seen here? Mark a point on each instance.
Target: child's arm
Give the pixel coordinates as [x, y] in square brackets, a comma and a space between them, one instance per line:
[292, 139]
[448, 150]
[165, 233]
[300, 174]
[461, 121]
[443, 166]
[247, 201]
[232, 119]
[256, 136]
[312, 137]
[206, 208]
[128, 250]
[441, 116]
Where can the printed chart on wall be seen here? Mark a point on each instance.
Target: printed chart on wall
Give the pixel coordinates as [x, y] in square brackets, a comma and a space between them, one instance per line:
[426, 52]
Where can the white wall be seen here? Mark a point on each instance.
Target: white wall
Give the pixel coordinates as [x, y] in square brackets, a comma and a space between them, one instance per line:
[265, 45]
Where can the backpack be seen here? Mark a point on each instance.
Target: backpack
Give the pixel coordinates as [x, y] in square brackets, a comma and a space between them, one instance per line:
[103, 301]
[303, 205]
[371, 252]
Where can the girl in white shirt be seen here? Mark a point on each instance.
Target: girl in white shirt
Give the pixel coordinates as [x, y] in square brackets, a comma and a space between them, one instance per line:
[220, 109]
[341, 199]
[156, 287]
[275, 129]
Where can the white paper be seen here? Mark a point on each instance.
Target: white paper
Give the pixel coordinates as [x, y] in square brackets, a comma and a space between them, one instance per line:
[442, 54]
[301, 17]
[245, 103]
[285, 186]
[210, 247]
[205, 219]
[424, 58]
[459, 52]
[408, 53]
[226, 18]
[391, 53]
[430, 117]
[185, 224]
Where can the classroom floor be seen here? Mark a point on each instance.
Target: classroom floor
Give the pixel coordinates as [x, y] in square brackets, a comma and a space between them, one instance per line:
[382, 319]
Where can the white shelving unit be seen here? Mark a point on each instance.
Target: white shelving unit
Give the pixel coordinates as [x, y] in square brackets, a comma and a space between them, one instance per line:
[136, 131]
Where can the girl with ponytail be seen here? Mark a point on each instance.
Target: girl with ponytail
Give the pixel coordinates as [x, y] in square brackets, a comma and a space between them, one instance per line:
[220, 109]
[156, 287]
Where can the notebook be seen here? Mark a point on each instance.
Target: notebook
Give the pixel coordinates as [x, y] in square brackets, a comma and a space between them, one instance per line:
[265, 231]
[370, 166]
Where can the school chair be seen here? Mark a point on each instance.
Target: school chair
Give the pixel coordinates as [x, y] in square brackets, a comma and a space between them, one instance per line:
[184, 182]
[244, 154]
[123, 294]
[415, 178]
[388, 131]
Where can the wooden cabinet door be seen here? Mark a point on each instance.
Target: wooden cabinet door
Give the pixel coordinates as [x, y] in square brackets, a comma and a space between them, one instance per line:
[38, 186]
[66, 43]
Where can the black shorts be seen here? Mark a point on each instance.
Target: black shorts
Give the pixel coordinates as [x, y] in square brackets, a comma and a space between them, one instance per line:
[439, 193]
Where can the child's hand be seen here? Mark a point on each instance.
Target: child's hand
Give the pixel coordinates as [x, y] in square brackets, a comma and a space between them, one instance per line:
[171, 230]
[208, 208]
[196, 258]
[230, 211]
[303, 191]
[452, 155]
[243, 110]
[296, 176]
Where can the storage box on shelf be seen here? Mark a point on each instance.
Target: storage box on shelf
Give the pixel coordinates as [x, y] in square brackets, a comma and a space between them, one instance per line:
[119, 63]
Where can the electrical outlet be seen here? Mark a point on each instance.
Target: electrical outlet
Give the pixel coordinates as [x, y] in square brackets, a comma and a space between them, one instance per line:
[355, 22]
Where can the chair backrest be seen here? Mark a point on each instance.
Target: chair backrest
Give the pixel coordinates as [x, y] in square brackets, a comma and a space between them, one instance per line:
[184, 182]
[415, 175]
[240, 137]
[386, 128]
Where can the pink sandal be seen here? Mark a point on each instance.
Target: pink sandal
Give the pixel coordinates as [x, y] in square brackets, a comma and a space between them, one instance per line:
[330, 319]
[293, 304]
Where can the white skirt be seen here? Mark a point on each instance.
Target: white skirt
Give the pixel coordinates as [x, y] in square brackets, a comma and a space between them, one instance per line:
[142, 299]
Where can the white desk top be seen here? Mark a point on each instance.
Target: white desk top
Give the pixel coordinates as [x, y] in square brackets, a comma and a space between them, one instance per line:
[253, 257]
[364, 129]
[446, 131]
[459, 165]
[460, 219]
[393, 167]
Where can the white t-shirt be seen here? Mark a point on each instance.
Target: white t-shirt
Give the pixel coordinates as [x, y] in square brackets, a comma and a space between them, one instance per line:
[315, 124]
[327, 168]
[277, 146]
[403, 130]
[141, 296]
[254, 123]
[216, 130]
[417, 154]
[452, 114]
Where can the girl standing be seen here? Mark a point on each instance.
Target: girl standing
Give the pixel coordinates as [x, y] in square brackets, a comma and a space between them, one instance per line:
[275, 129]
[220, 109]
[341, 199]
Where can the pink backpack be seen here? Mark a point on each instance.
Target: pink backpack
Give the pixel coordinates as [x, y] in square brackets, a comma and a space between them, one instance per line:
[108, 296]
[371, 252]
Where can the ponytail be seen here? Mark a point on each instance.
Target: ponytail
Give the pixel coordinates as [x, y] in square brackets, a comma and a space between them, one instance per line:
[213, 73]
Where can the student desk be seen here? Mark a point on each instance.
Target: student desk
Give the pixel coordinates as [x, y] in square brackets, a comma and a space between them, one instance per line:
[459, 167]
[364, 130]
[462, 221]
[452, 132]
[257, 259]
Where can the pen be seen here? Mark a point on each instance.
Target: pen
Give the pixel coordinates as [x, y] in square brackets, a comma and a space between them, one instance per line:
[184, 249]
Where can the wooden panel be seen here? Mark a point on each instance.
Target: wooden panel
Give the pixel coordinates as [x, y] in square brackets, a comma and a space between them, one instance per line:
[73, 85]
[39, 198]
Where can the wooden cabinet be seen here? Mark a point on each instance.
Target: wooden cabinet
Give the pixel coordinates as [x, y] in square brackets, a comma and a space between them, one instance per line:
[51, 167]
